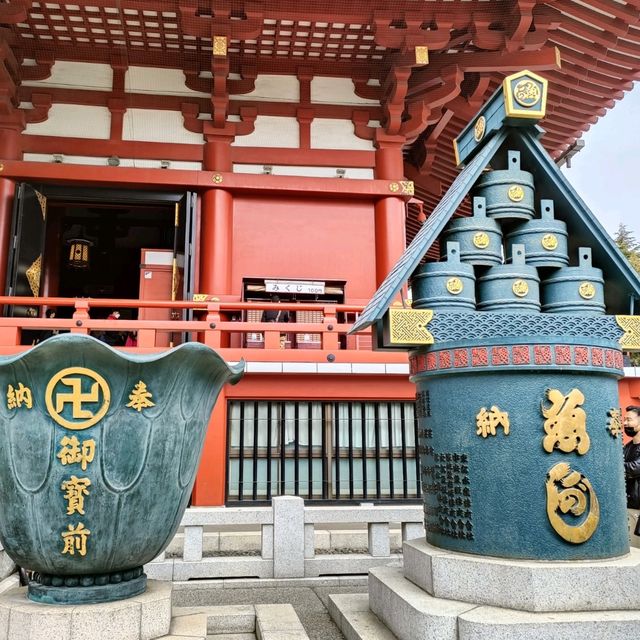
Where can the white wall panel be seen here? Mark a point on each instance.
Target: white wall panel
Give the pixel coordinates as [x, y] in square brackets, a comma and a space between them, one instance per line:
[336, 91]
[272, 131]
[337, 134]
[77, 75]
[149, 125]
[169, 82]
[74, 121]
[272, 87]
[101, 161]
[308, 172]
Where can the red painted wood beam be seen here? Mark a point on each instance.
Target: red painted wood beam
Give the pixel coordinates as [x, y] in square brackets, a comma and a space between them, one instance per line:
[258, 184]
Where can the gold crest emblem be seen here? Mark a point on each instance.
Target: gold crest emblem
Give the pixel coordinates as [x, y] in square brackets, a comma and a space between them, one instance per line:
[84, 390]
[481, 240]
[479, 129]
[515, 193]
[520, 288]
[587, 290]
[454, 286]
[526, 93]
[549, 242]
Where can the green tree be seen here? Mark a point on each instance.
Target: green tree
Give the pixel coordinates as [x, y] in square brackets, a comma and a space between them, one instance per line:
[630, 247]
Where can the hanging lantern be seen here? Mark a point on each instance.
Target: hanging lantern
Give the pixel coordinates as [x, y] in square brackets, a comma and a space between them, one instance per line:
[79, 253]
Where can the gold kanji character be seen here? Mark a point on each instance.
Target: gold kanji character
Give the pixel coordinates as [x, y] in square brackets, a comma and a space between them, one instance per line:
[566, 422]
[73, 452]
[17, 397]
[76, 489]
[75, 539]
[488, 421]
[140, 397]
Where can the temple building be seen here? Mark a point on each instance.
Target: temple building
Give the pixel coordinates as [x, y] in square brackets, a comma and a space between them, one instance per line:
[184, 162]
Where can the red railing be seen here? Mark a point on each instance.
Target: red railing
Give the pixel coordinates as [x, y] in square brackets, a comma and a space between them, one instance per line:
[221, 325]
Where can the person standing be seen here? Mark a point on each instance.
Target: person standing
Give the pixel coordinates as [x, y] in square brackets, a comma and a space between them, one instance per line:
[631, 452]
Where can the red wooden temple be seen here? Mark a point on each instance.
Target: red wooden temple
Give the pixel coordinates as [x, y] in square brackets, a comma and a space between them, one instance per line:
[182, 161]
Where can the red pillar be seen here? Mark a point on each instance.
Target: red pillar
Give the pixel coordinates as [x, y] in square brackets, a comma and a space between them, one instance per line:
[209, 489]
[216, 235]
[389, 212]
[10, 149]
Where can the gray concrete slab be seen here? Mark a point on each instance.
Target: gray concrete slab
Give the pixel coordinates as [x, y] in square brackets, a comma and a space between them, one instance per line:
[309, 602]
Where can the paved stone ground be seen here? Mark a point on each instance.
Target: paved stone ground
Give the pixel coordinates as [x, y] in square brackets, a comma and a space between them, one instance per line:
[308, 602]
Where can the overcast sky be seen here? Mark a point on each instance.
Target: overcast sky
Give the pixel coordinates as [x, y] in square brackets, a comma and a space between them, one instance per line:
[606, 173]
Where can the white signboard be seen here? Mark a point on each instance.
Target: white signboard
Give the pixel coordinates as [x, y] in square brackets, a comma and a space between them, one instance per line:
[294, 286]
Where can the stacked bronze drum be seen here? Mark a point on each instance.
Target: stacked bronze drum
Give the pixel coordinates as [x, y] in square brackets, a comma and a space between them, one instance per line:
[504, 258]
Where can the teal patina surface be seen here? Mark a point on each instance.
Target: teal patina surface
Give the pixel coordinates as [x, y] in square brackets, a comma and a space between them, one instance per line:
[517, 400]
[99, 456]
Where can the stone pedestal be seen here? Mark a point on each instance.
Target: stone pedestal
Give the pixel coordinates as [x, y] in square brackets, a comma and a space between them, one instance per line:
[443, 595]
[143, 617]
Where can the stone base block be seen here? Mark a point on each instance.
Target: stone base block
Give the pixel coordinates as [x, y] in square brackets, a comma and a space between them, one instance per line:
[603, 585]
[490, 623]
[409, 612]
[143, 617]
[412, 614]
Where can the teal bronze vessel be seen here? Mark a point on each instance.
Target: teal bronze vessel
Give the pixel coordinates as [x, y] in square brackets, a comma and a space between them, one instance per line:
[100, 452]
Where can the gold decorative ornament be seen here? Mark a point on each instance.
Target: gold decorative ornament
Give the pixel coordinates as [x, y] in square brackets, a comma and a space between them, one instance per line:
[409, 326]
[83, 404]
[33, 275]
[526, 93]
[455, 286]
[422, 55]
[481, 240]
[614, 424]
[630, 340]
[42, 200]
[515, 193]
[549, 241]
[520, 288]
[407, 187]
[479, 129]
[487, 421]
[566, 422]
[219, 45]
[217, 178]
[1, 167]
[569, 492]
[394, 187]
[586, 290]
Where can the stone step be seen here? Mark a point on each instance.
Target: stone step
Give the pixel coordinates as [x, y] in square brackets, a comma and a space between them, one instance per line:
[351, 613]
[408, 611]
[223, 619]
[278, 621]
[232, 636]
[492, 623]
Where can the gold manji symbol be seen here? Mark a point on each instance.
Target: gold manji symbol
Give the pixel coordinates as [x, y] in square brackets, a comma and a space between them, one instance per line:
[454, 286]
[549, 242]
[587, 290]
[481, 240]
[479, 129]
[520, 288]
[77, 387]
[515, 193]
[526, 93]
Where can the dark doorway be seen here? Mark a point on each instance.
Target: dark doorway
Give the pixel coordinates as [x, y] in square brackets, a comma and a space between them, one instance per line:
[113, 225]
[115, 236]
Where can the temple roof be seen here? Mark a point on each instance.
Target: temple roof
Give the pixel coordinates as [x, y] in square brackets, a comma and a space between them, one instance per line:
[598, 44]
